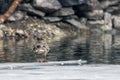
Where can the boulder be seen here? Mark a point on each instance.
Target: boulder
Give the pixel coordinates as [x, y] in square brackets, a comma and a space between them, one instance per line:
[18, 15]
[47, 6]
[93, 4]
[83, 20]
[52, 19]
[108, 19]
[113, 9]
[95, 15]
[96, 23]
[116, 21]
[76, 23]
[30, 10]
[1, 34]
[107, 3]
[104, 25]
[64, 12]
[68, 3]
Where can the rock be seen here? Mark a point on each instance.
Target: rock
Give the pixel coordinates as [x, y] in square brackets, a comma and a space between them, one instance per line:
[83, 20]
[114, 10]
[76, 23]
[70, 17]
[2, 26]
[52, 19]
[89, 8]
[107, 3]
[96, 23]
[30, 10]
[93, 4]
[116, 21]
[104, 25]
[1, 34]
[95, 15]
[21, 34]
[111, 6]
[8, 32]
[18, 15]
[108, 19]
[68, 3]
[64, 12]
[47, 6]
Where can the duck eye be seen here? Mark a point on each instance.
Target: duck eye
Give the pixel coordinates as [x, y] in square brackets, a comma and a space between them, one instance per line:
[38, 46]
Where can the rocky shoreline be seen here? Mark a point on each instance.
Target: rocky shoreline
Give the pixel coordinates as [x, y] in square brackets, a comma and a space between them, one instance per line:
[61, 17]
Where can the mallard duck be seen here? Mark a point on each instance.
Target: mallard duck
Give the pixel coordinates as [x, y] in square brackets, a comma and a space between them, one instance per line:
[41, 47]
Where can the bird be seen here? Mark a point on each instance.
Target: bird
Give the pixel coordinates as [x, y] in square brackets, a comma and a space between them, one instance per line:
[41, 48]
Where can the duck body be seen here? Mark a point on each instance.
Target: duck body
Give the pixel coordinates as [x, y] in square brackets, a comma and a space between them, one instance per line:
[41, 48]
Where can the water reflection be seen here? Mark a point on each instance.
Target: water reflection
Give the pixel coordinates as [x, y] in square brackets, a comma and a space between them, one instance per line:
[95, 47]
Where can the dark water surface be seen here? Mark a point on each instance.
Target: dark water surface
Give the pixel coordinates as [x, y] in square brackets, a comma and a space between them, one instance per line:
[95, 48]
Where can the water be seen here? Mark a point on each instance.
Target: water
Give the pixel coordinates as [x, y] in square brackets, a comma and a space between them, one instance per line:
[95, 47]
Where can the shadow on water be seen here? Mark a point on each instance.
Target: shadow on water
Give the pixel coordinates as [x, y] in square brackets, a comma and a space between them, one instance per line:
[95, 48]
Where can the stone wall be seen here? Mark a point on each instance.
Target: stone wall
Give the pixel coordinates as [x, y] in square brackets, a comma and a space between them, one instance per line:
[80, 14]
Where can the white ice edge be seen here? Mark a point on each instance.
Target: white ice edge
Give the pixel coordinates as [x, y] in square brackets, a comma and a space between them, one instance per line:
[50, 63]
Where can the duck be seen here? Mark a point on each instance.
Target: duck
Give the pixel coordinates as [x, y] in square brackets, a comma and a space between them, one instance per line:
[41, 48]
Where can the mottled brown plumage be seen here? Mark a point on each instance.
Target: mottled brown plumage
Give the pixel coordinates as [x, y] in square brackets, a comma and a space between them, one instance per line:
[41, 47]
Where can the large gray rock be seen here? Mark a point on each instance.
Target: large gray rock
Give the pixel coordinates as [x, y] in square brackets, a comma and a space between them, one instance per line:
[93, 4]
[30, 10]
[47, 6]
[104, 25]
[64, 12]
[96, 23]
[108, 19]
[76, 23]
[95, 15]
[111, 6]
[107, 3]
[83, 20]
[113, 10]
[68, 3]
